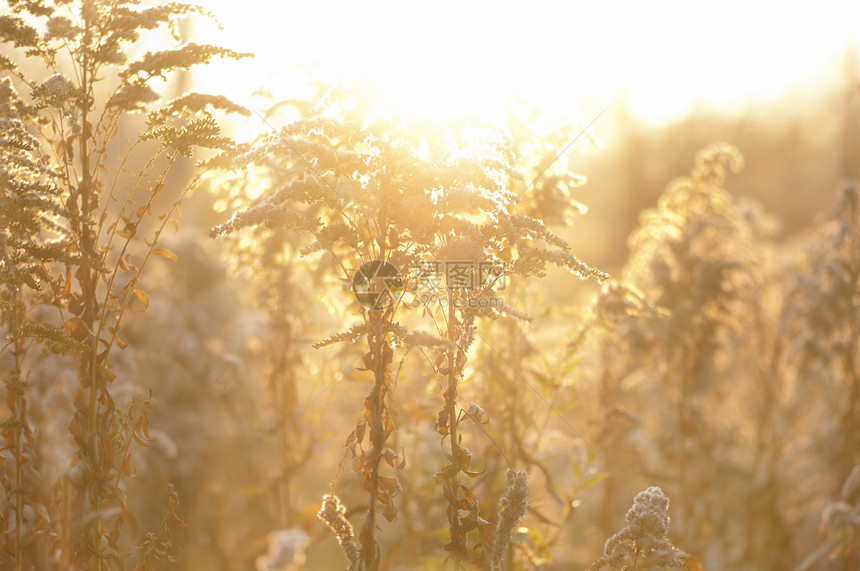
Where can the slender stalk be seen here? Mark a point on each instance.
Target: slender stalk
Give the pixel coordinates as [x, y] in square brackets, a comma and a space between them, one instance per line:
[375, 405]
[451, 411]
[88, 374]
[852, 409]
[18, 352]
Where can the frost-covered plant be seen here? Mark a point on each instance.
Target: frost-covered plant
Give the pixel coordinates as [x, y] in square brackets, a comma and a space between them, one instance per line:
[689, 320]
[524, 367]
[370, 193]
[80, 224]
[840, 527]
[819, 339]
[691, 258]
[332, 513]
[512, 509]
[281, 282]
[644, 542]
[841, 521]
[821, 327]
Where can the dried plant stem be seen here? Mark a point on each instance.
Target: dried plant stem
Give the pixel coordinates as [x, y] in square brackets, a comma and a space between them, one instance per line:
[19, 434]
[691, 365]
[451, 409]
[378, 436]
[769, 449]
[19, 477]
[852, 410]
[88, 371]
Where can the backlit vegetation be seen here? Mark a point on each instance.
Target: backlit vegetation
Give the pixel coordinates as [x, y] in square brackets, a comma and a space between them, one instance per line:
[267, 396]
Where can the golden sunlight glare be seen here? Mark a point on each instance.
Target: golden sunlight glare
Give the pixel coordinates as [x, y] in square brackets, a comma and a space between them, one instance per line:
[444, 60]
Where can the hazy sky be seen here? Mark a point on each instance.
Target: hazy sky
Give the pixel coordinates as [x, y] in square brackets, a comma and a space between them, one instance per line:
[447, 58]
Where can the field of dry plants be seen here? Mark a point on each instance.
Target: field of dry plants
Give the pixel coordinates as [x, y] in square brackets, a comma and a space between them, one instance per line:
[370, 343]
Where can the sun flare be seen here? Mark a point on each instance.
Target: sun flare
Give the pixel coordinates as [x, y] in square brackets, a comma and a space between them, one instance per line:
[445, 61]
